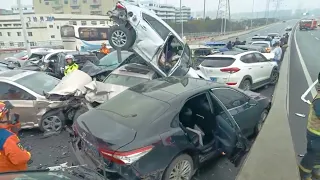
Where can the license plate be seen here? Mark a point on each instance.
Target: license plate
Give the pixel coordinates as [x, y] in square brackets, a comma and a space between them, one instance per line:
[89, 149]
[214, 79]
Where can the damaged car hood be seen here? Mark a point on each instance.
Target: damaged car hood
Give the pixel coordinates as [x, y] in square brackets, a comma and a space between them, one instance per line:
[72, 83]
[100, 92]
[93, 70]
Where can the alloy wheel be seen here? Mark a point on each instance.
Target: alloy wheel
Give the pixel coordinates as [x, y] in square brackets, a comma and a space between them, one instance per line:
[181, 171]
[119, 38]
[52, 123]
[274, 77]
[246, 85]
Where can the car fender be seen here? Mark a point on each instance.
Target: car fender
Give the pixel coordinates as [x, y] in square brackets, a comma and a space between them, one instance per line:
[247, 77]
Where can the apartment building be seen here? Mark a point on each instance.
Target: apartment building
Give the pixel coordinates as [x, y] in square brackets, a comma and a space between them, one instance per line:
[88, 7]
[185, 12]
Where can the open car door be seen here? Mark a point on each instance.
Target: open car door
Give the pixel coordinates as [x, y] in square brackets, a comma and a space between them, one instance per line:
[228, 133]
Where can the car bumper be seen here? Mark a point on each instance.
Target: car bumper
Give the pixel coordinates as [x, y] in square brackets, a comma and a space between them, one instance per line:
[111, 172]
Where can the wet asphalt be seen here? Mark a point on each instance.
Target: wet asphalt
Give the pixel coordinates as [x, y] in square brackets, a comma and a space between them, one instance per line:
[54, 150]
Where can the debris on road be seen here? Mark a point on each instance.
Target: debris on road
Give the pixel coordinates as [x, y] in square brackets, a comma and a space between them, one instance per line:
[301, 115]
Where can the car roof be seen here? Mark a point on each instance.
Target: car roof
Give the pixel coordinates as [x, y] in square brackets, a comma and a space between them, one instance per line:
[135, 70]
[231, 54]
[195, 46]
[14, 75]
[168, 88]
[256, 42]
[259, 37]
[251, 47]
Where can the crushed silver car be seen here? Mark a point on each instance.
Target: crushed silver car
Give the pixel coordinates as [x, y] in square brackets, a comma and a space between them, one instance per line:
[154, 40]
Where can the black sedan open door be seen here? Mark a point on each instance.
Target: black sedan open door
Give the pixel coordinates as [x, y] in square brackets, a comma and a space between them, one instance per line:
[228, 133]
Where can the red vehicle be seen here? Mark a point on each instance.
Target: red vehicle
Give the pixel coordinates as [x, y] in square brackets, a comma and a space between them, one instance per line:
[309, 24]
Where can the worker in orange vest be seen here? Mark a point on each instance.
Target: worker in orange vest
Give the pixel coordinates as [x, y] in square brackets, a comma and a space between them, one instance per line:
[104, 50]
[13, 157]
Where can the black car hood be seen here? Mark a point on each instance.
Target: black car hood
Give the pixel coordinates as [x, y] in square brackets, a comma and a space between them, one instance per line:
[92, 69]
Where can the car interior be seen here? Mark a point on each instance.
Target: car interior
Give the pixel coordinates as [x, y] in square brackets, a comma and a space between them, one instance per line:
[199, 120]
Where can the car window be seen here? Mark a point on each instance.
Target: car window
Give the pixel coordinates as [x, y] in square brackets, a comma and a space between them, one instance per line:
[38, 82]
[217, 62]
[20, 54]
[265, 45]
[112, 58]
[260, 57]
[82, 59]
[36, 56]
[157, 26]
[248, 58]
[186, 62]
[122, 80]
[198, 52]
[10, 92]
[230, 98]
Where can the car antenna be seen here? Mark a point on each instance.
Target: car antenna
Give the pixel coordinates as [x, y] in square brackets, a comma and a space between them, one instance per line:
[97, 145]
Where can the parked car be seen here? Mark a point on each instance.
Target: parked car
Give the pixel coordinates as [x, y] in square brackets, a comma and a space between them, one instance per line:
[198, 51]
[265, 44]
[151, 38]
[245, 70]
[289, 28]
[261, 38]
[23, 55]
[275, 36]
[25, 90]
[174, 123]
[261, 49]
[215, 45]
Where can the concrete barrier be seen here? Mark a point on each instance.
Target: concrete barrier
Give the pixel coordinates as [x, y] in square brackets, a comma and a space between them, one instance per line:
[272, 156]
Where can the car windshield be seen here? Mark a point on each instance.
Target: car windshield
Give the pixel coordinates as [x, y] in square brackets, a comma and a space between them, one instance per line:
[20, 54]
[261, 44]
[124, 80]
[38, 82]
[112, 58]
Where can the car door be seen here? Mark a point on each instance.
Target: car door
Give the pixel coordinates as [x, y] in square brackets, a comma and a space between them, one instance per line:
[239, 108]
[265, 66]
[252, 67]
[22, 101]
[228, 134]
[148, 39]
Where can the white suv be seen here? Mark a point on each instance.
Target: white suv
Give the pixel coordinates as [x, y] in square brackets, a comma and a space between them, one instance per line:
[246, 70]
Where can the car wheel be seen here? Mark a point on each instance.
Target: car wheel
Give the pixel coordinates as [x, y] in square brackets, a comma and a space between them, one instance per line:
[121, 37]
[245, 85]
[53, 120]
[274, 77]
[180, 168]
[261, 121]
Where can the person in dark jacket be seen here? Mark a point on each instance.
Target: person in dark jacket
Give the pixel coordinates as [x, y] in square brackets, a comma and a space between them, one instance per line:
[237, 42]
[229, 45]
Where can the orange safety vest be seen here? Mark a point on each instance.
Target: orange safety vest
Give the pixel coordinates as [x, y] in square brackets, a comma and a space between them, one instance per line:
[104, 51]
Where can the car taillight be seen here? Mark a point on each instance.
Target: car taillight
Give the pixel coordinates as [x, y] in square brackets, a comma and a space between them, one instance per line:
[127, 157]
[120, 6]
[230, 70]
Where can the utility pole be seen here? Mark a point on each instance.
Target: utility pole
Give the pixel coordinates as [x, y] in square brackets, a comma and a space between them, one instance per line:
[204, 9]
[252, 14]
[181, 18]
[223, 13]
[267, 11]
[24, 29]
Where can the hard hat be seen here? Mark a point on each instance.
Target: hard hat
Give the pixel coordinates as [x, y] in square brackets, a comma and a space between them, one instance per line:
[69, 56]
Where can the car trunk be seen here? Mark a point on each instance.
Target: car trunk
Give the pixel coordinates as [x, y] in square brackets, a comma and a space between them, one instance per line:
[217, 68]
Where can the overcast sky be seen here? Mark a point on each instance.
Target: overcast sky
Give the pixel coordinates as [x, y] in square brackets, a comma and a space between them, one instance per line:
[197, 5]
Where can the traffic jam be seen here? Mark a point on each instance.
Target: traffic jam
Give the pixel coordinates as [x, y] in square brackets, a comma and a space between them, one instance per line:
[146, 106]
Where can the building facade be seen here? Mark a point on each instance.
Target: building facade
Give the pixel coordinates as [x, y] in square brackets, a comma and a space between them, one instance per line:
[88, 7]
[168, 13]
[42, 29]
[26, 9]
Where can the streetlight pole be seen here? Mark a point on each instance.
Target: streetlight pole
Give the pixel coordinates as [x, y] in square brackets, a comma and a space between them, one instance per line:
[24, 28]
[181, 19]
[252, 13]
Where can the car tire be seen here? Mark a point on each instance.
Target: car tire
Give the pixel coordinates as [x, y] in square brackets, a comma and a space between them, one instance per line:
[274, 77]
[121, 37]
[261, 121]
[245, 85]
[181, 162]
[55, 120]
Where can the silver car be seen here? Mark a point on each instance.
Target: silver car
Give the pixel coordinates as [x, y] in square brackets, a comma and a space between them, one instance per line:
[24, 89]
[154, 40]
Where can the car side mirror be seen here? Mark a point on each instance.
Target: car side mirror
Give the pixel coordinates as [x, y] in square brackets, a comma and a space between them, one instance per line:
[252, 102]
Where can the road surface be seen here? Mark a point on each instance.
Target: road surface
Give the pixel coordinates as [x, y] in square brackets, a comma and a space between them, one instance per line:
[304, 69]
[54, 150]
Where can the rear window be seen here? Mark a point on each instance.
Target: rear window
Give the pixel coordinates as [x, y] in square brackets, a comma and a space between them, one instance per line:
[81, 59]
[133, 109]
[38, 82]
[217, 61]
[265, 45]
[122, 80]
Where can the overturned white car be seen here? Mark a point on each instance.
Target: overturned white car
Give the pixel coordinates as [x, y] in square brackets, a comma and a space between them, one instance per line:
[154, 40]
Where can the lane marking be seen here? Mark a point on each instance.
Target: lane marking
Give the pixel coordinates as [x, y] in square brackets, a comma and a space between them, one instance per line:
[304, 67]
[317, 38]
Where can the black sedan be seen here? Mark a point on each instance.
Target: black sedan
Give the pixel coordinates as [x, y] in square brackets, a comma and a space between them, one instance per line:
[166, 128]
